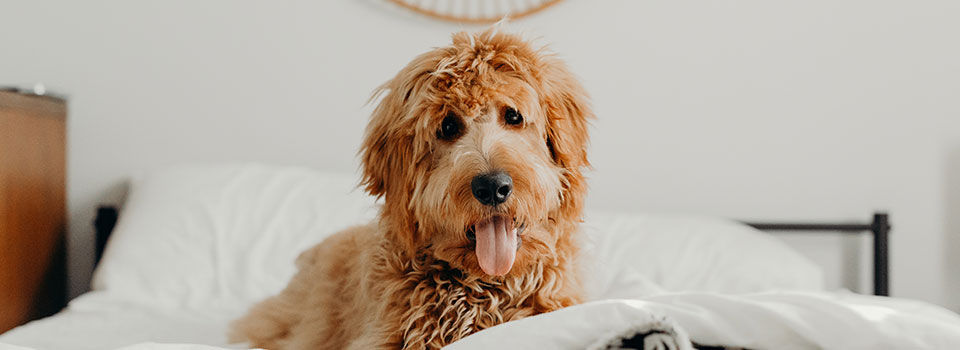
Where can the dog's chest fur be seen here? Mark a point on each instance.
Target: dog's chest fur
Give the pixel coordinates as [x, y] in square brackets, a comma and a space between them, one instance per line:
[443, 305]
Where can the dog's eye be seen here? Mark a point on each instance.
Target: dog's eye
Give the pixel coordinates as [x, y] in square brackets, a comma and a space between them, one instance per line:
[450, 128]
[512, 117]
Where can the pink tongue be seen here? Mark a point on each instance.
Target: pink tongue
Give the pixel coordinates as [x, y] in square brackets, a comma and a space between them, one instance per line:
[496, 245]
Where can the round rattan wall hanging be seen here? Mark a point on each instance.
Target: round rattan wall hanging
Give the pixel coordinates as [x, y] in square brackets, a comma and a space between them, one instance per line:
[475, 11]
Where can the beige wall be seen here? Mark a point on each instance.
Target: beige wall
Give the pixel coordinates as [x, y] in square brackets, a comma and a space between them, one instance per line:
[748, 109]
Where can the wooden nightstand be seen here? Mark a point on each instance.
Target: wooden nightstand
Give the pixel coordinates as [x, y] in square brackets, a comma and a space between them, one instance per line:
[32, 207]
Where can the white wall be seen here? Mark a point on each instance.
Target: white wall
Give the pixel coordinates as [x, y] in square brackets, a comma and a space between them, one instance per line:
[748, 109]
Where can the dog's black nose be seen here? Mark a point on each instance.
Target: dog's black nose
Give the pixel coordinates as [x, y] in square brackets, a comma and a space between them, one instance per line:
[492, 188]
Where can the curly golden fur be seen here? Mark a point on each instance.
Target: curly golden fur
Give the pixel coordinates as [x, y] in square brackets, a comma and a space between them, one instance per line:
[412, 279]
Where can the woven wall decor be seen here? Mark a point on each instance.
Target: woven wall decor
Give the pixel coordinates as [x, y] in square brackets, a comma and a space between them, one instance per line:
[475, 11]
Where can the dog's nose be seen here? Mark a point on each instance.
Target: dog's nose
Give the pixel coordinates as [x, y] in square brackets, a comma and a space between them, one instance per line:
[492, 188]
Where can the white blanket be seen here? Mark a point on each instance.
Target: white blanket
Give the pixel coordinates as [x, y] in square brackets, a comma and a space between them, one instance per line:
[773, 320]
[756, 321]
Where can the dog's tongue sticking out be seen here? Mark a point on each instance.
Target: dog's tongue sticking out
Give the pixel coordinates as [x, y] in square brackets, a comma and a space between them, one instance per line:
[496, 245]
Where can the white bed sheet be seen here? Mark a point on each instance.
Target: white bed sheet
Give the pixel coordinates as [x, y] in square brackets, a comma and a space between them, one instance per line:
[770, 320]
[98, 321]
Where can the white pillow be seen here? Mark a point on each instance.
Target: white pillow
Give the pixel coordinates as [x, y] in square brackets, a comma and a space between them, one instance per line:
[638, 255]
[223, 235]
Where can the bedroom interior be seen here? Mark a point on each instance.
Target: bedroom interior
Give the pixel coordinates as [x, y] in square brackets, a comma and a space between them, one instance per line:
[831, 127]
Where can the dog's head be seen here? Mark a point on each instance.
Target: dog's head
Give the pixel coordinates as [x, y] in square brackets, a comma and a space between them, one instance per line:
[477, 149]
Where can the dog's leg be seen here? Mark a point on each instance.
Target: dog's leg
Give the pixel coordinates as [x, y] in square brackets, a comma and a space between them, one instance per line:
[305, 312]
[269, 322]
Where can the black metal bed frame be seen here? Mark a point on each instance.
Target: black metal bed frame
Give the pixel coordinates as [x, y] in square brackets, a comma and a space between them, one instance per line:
[880, 228]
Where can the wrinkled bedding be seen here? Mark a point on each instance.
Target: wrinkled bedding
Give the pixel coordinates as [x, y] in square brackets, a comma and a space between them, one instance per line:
[774, 320]
[770, 320]
[99, 321]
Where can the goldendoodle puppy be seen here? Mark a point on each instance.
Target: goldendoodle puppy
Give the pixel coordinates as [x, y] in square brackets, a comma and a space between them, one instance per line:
[477, 149]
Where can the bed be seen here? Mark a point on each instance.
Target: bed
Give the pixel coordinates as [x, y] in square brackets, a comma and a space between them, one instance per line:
[197, 244]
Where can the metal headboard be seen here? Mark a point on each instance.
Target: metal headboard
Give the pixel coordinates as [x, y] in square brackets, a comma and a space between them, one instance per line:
[880, 227]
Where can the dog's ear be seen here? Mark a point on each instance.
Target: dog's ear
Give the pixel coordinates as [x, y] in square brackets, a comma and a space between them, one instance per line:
[388, 146]
[568, 113]
[392, 148]
[377, 151]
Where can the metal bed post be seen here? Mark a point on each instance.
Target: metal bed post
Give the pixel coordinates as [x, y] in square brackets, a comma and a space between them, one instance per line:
[881, 232]
[104, 222]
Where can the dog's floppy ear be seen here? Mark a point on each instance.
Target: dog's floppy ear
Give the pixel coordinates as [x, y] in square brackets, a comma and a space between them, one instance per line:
[388, 146]
[568, 113]
[392, 148]
[378, 151]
